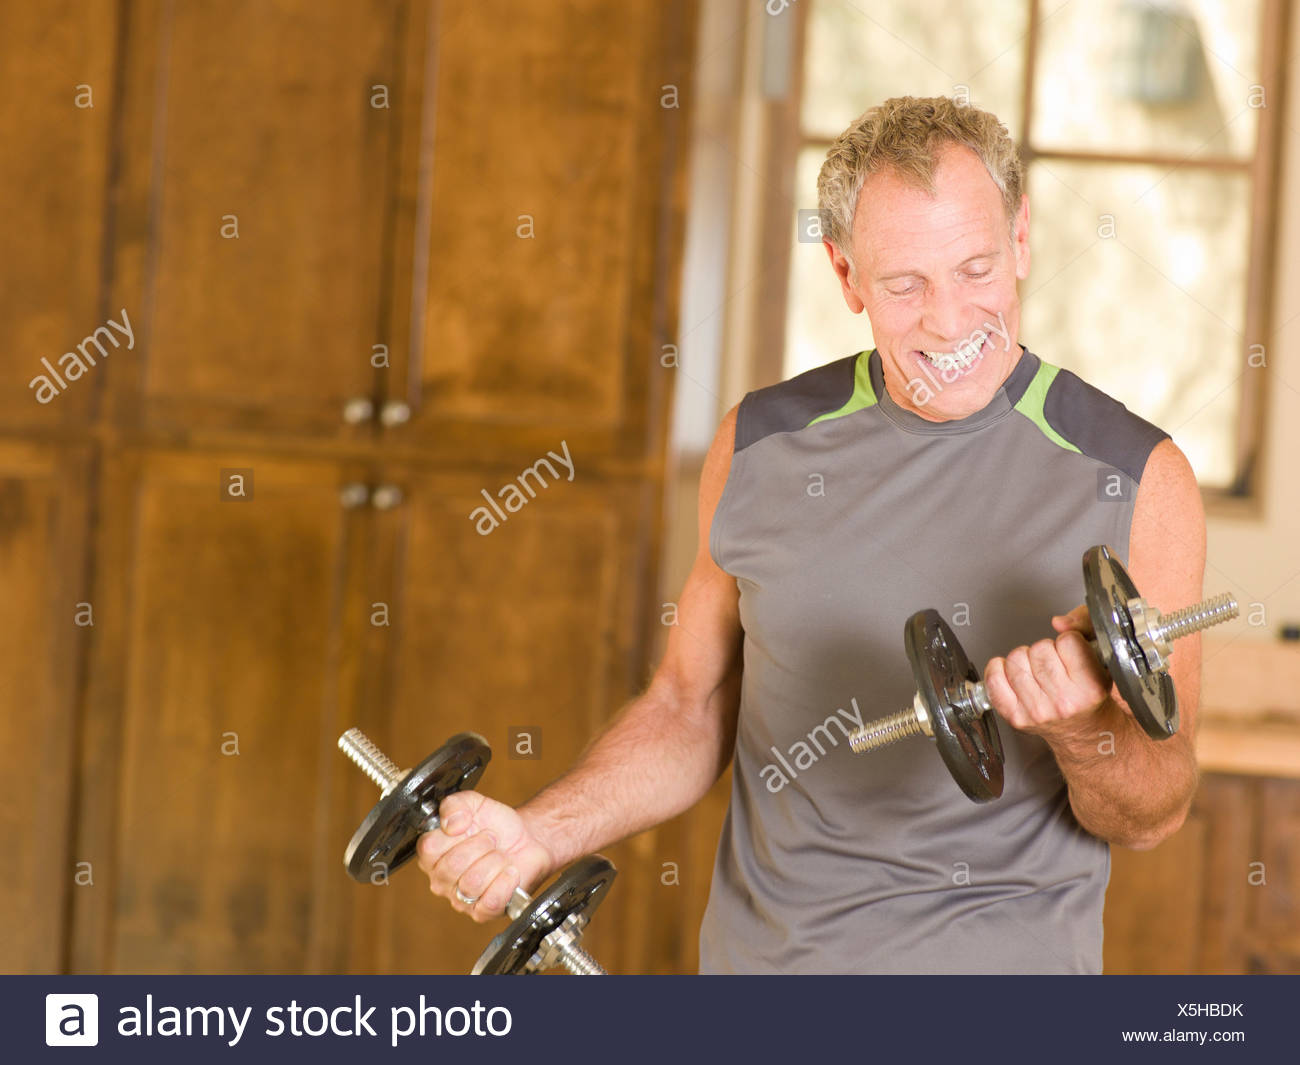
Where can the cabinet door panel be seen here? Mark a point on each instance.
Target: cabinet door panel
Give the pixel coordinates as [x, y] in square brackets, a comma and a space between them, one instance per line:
[59, 60]
[42, 571]
[531, 626]
[1274, 880]
[1182, 907]
[543, 273]
[254, 192]
[209, 758]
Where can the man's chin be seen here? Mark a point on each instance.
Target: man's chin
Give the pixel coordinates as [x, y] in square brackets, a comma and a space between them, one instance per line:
[939, 394]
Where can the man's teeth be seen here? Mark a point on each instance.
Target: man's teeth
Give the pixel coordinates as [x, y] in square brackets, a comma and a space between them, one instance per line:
[950, 360]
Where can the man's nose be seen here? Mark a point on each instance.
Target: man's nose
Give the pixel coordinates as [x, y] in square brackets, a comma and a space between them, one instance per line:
[946, 313]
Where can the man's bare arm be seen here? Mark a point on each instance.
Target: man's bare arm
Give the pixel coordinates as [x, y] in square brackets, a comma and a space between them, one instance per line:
[666, 749]
[657, 758]
[1124, 787]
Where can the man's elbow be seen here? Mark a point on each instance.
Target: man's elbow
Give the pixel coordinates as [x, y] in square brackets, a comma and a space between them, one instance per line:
[1145, 838]
[1148, 841]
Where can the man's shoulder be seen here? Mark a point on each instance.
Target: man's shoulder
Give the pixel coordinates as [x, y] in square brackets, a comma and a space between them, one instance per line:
[1081, 417]
[797, 402]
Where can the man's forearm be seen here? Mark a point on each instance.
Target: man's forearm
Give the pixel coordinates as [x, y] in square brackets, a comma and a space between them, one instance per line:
[654, 761]
[1125, 788]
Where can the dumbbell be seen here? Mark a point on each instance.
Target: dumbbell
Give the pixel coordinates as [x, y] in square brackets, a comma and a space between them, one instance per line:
[951, 706]
[545, 930]
[548, 929]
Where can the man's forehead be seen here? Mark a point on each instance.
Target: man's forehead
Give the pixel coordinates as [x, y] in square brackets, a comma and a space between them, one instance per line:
[963, 218]
[899, 242]
[960, 182]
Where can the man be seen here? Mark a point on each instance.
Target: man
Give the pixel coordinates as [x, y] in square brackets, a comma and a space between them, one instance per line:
[949, 468]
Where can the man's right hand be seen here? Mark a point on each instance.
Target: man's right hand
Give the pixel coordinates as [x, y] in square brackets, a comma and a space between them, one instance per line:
[484, 850]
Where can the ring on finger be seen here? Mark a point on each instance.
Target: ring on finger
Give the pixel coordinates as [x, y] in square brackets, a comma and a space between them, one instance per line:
[468, 900]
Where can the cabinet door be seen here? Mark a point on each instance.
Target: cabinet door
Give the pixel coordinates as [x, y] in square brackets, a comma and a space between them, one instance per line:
[1182, 907]
[533, 626]
[540, 284]
[250, 235]
[59, 62]
[1274, 881]
[209, 768]
[46, 629]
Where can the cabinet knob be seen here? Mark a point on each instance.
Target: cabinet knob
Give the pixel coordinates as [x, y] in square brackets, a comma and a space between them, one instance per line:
[386, 496]
[395, 412]
[353, 495]
[358, 409]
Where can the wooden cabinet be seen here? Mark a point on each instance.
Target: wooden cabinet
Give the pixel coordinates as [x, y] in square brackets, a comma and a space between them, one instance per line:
[1222, 895]
[535, 626]
[299, 205]
[554, 175]
[215, 698]
[366, 206]
[1274, 943]
[238, 638]
[252, 217]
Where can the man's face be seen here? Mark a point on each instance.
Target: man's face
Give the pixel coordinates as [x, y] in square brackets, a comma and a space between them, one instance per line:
[937, 277]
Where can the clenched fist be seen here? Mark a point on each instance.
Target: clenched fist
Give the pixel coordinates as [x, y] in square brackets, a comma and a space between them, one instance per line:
[481, 851]
[1051, 685]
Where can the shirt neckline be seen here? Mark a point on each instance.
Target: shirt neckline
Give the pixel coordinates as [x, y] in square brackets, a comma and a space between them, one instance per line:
[1002, 403]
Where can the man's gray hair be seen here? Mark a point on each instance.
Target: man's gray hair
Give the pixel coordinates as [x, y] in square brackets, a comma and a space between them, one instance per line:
[905, 136]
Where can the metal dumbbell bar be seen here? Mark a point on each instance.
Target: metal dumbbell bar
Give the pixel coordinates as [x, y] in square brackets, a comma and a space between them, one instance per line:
[544, 931]
[952, 707]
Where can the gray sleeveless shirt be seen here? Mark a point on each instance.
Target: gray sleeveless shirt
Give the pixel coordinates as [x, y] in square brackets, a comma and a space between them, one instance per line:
[843, 514]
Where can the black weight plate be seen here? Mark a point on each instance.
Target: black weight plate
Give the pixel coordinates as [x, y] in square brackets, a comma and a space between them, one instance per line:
[388, 835]
[1150, 695]
[579, 889]
[968, 739]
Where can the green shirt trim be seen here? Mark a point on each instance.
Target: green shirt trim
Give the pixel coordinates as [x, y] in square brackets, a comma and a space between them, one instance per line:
[864, 395]
[1032, 402]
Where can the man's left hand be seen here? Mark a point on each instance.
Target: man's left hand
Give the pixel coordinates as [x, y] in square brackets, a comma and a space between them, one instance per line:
[1052, 687]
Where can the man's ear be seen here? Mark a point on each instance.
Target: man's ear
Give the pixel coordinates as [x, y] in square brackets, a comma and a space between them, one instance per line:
[1022, 239]
[844, 271]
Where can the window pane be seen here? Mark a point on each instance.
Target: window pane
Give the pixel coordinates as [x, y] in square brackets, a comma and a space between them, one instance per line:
[1153, 314]
[860, 53]
[819, 327]
[1173, 77]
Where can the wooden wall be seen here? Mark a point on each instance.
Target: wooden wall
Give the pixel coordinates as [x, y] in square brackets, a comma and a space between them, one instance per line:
[458, 221]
